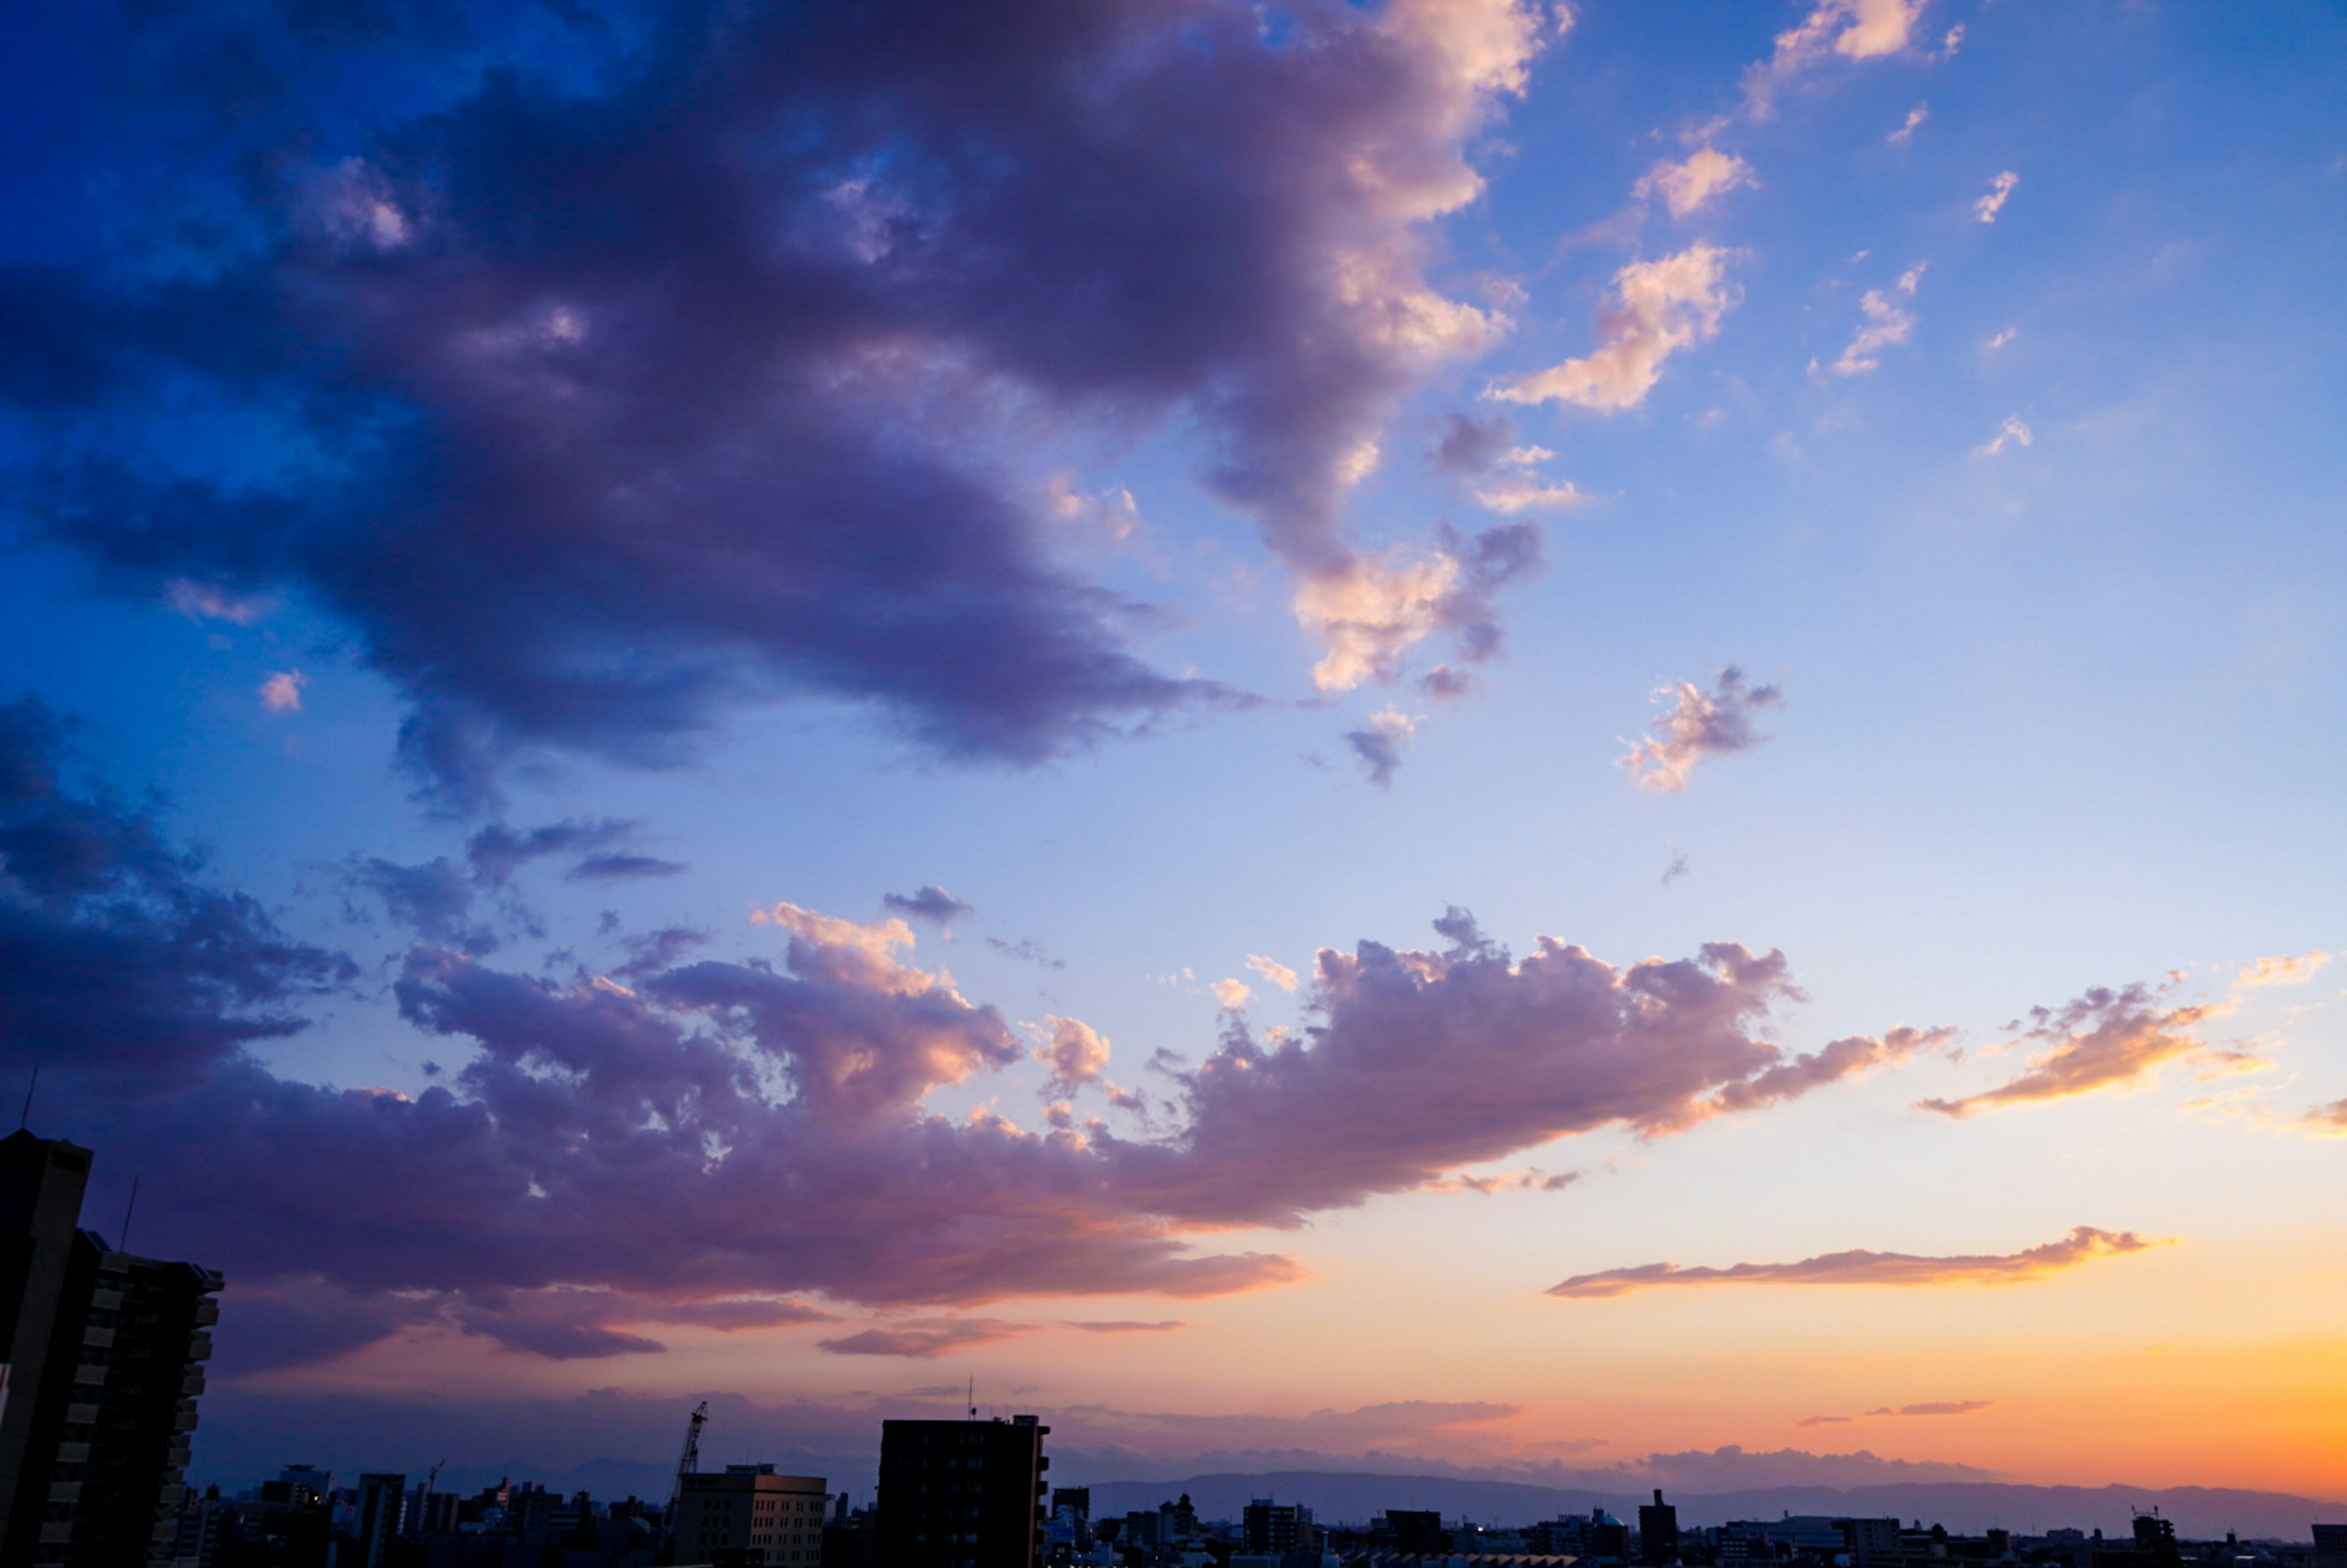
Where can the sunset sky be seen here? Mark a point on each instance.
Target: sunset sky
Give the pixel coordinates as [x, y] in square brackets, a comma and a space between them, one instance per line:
[1529, 737]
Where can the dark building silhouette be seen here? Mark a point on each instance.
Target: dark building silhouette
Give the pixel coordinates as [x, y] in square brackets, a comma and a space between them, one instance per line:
[1078, 1499]
[1416, 1530]
[961, 1494]
[1658, 1530]
[1277, 1528]
[382, 1498]
[104, 1361]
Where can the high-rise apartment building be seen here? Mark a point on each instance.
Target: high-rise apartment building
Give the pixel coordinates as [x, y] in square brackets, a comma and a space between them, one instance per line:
[747, 1508]
[1658, 1531]
[961, 1494]
[383, 1502]
[104, 1361]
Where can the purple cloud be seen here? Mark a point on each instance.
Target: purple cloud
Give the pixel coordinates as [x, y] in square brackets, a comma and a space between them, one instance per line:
[663, 370]
[931, 903]
[671, 1100]
[116, 958]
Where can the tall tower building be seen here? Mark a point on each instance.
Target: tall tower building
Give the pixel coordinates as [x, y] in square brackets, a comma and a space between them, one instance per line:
[105, 1354]
[961, 1494]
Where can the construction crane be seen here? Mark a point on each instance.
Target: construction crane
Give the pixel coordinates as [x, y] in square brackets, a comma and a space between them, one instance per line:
[689, 1462]
[424, 1504]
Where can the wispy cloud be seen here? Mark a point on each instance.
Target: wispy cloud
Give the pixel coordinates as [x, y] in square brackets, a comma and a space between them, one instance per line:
[2000, 190]
[1658, 308]
[1699, 725]
[2083, 1244]
[1885, 324]
[1907, 128]
[2103, 1039]
[1927, 1408]
[1129, 1325]
[924, 1337]
[2014, 432]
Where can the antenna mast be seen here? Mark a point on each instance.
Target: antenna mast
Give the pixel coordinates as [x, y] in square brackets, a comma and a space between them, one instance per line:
[689, 1462]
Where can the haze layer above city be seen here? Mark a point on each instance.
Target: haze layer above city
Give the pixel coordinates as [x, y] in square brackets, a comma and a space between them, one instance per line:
[1463, 737]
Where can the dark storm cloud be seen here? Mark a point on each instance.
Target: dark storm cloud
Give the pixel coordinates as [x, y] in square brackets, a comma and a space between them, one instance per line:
[115, 955]
[689, 358]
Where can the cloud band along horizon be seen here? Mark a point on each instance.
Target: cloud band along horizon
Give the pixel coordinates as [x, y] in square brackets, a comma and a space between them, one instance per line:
[2083, 1244]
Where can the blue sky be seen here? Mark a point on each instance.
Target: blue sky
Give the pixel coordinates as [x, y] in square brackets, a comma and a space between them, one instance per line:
[2045, 578]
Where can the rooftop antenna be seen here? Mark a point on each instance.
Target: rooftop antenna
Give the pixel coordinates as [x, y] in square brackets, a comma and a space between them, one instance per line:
[128, 1210]
[27, 1114]
[973, 1397]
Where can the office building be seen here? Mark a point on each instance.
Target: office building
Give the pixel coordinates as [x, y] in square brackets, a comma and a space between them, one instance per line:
[1658, 1530]
[748, 1509]
[961, 1494]
[104, 1361]
[2330, 1546]
[1417, 1531]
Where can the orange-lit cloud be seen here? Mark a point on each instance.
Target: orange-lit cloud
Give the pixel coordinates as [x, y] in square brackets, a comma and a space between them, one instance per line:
[1129, 1325]
[2083, 1244]
[2284, 970]
[2103, 1039]
[2327, 1121]
[1659, 307]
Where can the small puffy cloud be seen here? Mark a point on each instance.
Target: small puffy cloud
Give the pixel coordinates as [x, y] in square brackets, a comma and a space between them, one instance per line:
[1885, 324]
[2282, 971]
[931, 903]
[1499, 474]
[924, 1337]
[1847, 29]
[1705, 173]
[2103, 1039]
[1112, 514]
[1232, 994]
[1272, 969]
[1823, 1421]
[1379, 746]
[281, 692]
[1511, 493]
[2083, 1244]
[1658, 308]
[1699, 725]
[2000, 339]
[1907, 127]
[2000, 190]
[2014, 432]
[1374, 609]
[1129, 1325]
[1076, 1053]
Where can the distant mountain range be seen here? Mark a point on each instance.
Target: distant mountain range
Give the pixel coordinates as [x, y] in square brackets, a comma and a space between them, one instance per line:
[1965, 1507]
